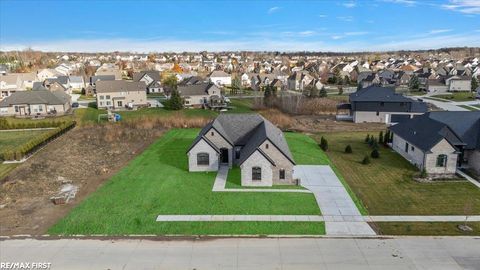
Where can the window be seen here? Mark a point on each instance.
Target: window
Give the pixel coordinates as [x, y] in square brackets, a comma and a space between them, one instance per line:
[16, 109]
[108, 103]
[101, 97]
[282, 174]
[378, 113]
[101, 103]
[107, 97]
[412, 148]
[406, 147]
[256, 173]
[441, 160]
[266, 146]
[237, 153]
[203, 159]
[119, 104]
[212, 133]
[382, 104]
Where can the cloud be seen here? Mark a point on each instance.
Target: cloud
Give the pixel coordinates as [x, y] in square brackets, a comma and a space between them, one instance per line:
[403, 2]
[345, 18]
[438, 31]
[322, 16]
[307, 33]
[360, 33]
[273, 10]
[274, 43]
[463, 6]
[349, 4]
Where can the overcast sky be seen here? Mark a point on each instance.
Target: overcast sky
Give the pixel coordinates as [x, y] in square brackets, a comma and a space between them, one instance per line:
[147, 26]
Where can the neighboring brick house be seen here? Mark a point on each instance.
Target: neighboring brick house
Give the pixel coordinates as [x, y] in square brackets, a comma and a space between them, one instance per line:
[41, 102]
[440, 142]
[246, 140]
[121, 94]
[382, 105]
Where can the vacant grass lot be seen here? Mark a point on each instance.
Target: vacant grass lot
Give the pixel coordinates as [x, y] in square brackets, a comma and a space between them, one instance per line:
[426, 228]
[386, 186]
[158, 182]
[9, 140]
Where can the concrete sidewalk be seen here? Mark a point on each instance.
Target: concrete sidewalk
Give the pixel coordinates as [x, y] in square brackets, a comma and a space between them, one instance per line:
[470, 179]
[249, 253]
[317, 218]
[333, 200]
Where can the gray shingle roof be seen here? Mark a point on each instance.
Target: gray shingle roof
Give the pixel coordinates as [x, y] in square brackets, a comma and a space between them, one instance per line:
[119, 86]
[425, 131]
[247, 130]
[155, 75]
[376, 95]
[195, 89]
[36, 97]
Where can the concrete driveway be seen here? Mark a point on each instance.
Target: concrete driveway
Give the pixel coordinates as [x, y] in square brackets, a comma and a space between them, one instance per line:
[340, 212]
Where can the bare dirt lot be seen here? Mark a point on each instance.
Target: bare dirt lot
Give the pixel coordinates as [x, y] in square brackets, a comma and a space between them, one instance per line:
[84, 157]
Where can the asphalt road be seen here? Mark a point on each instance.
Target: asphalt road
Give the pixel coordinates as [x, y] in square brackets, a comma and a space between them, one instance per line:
[244, 253]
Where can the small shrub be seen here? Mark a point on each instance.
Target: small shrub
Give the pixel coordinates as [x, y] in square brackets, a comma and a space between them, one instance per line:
[348, 149]
[375, 154]
[366, 160]
[380, 137]
[324, 144]
[423, 173]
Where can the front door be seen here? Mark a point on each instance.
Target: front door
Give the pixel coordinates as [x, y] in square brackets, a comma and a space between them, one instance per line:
[224, 155]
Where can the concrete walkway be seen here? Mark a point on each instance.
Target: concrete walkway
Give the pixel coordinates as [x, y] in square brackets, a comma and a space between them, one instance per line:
[452, 253]
[221, 181]
[470, 179]
[333, 200]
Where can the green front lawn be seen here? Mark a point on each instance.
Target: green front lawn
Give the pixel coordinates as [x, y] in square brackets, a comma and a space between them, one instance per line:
[386, 186]
[234, 180]
[158, 182]
[457, 96]
[425, 228]
[470, 108]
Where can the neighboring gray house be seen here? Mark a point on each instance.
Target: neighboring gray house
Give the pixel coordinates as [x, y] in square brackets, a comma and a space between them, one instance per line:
[152, 80]
[440, 142]
[246, 140]
[459, 83]
[382, 105]
[33, 103]
[201, 94]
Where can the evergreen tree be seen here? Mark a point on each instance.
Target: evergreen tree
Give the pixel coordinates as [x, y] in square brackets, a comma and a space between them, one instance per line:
[348, 149]
[414, 83]
[367, 139]
[380, 137]
[474, 83]
[323, 92]
[366, 160]
[340, 90]
[324, 144]
[175, 102]
[375, 154]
